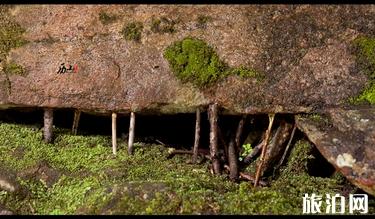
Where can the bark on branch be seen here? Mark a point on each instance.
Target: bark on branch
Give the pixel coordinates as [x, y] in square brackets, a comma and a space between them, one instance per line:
[131, 133]
[114, 134]
[213, 115]
[234, 149]
[197, 135]
[264, 148]
[77, 115]
[48, 125]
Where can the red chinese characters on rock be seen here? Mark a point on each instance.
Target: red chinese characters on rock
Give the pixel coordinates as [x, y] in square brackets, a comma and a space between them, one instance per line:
[71, 69]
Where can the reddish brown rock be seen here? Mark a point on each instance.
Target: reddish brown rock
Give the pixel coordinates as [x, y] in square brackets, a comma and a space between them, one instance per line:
[346, 138]
[304, 52]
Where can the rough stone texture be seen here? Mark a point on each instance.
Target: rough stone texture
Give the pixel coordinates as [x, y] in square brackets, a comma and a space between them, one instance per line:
[346, 138]
[42, 172]
[8, 181]
[303, 50]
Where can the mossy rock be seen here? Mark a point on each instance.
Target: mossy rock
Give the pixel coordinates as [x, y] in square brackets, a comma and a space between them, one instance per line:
[202, 21]
[193, 60]
[133, 31]
[10, 33]
[245, 72]
[106, 18]
[365, 49]
[163, 25]
[14, 69]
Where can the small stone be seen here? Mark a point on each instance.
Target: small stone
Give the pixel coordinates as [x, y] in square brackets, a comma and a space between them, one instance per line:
[5, 212]
[145, 196]
[8, 181]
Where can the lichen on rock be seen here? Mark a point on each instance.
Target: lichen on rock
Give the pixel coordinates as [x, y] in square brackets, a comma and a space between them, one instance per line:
[133, 31]
[10, 33]
[163, 25]
[14, 69]
[106, 18]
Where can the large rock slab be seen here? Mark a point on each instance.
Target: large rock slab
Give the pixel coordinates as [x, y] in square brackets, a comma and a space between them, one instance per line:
[304, 52]
[346, 138]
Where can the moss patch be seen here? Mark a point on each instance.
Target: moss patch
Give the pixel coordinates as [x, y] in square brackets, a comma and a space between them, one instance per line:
[93, 181]
[106, 18]
[14, 69]
[368, 95]
[163, 25]
[245, 72]
[133, 31]
[202, 20]
[365, 47]
[10, 37]
[192, 60]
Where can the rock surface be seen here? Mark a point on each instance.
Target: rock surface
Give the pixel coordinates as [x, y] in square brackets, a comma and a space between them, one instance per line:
[304, 52]
[346, 138]
[8, 181]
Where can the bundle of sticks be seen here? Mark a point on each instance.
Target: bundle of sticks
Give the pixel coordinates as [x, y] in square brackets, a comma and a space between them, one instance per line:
[271, 150]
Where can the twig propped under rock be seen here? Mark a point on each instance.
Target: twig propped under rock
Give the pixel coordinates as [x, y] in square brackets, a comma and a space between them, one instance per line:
[131, 133]
[264, 148]
[48, 125]
[197, 135]
[213, 116]
[114, 134]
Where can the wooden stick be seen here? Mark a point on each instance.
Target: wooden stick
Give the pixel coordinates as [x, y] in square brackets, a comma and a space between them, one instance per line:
[202, 152]
[232, 161]
[48, 125]
[264, 148]
[239, 133]
[251, 179]
[222, 141]
[288, 145]
[197, 135]
[212, 113]
[77, 115]
[114, 134]
[234, 149]
[131, 133]
[247, 177]
[254, 153]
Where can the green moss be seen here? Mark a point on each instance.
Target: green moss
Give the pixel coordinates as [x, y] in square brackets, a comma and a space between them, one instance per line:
[14, 69]
[133, 31]
[202, 21]
[299, 158]
[365, 47]
[315, 117]
[192, 60]
[163, 25]
[93, 181]
[245, 72]
[366, 96]
[366, 54]
[106, 18]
